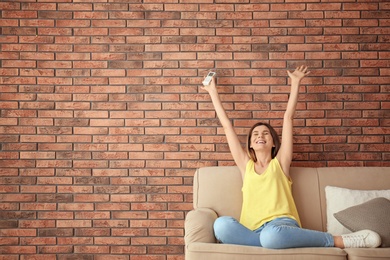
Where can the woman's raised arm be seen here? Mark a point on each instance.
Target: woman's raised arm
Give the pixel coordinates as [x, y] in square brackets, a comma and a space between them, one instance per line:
[285, 153]
[239, 154]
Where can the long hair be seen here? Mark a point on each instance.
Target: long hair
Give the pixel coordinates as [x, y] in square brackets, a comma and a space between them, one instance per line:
[275, 138]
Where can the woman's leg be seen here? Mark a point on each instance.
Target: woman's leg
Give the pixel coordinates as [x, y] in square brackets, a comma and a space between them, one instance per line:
[286, 233]
[229, 231]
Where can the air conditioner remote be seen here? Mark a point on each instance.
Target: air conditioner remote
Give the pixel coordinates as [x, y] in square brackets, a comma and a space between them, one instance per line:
[209, 77]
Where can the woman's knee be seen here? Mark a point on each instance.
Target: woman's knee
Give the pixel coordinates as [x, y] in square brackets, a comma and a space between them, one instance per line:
[222, 226]
[271, 237]
[223, 222]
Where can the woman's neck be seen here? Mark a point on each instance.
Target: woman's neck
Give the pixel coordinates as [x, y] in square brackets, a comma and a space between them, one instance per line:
[263, 158]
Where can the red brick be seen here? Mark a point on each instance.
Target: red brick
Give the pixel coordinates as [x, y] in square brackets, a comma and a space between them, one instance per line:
[36, 189]
[342, 14]
[73, 23]
[18, 250]
[55, 249]
[20, 14]
[364, 156]
[361, 122]
[374, 147]
[17, 130]
[54, 146]
[10, 6]
[132, 250]
[38, 241]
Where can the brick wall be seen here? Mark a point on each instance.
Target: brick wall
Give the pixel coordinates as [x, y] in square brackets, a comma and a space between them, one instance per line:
[103, 120]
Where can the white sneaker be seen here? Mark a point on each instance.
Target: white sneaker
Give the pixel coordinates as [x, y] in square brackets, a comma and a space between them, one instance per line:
[362, 238]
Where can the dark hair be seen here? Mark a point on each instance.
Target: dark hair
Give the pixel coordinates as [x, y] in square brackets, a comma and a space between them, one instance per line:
[275, 138]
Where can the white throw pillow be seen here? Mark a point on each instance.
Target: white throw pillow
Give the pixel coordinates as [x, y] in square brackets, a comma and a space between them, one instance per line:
[338, 199]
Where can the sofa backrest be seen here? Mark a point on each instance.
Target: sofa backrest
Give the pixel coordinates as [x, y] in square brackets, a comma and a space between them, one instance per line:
[307, 197]
[355, 178]
[219, 188]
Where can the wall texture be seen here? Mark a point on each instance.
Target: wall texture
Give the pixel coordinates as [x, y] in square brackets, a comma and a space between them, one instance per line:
[103, 120]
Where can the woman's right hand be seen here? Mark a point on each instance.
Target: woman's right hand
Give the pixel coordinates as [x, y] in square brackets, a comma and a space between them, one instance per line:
[211, 87]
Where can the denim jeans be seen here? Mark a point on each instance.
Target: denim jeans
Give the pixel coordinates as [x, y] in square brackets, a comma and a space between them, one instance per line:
[276, 234]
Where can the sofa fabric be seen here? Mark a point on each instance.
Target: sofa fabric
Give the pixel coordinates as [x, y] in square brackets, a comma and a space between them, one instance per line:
[235, 252]
[217, 192]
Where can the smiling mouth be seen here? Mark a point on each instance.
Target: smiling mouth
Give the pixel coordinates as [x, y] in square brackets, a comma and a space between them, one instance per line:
[260, 142]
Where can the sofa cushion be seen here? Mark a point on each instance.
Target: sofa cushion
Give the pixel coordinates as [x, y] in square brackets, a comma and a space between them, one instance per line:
[373, 215]
[368, 253]
[206, 251]
[338, 199]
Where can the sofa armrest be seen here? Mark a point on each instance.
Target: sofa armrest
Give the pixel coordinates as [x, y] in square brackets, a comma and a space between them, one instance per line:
[198, 226]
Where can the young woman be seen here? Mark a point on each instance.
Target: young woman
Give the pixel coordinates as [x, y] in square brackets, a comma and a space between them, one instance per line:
[269, 217]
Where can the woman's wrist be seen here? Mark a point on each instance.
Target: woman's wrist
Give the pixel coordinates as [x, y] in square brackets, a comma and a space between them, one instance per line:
[295, 83]
[213, 92]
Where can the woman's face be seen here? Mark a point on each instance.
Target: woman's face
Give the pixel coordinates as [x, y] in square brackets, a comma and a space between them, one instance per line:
[261, 138]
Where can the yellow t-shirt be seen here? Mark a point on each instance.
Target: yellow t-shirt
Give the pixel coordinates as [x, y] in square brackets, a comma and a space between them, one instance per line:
[266, 196]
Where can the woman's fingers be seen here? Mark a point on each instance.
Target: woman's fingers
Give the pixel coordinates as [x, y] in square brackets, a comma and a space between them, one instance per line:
[302, 68]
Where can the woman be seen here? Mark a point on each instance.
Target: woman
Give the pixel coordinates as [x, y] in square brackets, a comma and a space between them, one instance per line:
[269, 217]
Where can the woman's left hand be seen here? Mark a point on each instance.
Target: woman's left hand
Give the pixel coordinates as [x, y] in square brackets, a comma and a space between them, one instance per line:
[299, 73]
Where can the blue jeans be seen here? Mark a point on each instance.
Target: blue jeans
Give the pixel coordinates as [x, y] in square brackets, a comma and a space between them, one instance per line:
[276, 234]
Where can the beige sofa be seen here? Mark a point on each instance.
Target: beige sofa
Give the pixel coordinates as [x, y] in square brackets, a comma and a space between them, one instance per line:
[217, 192]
